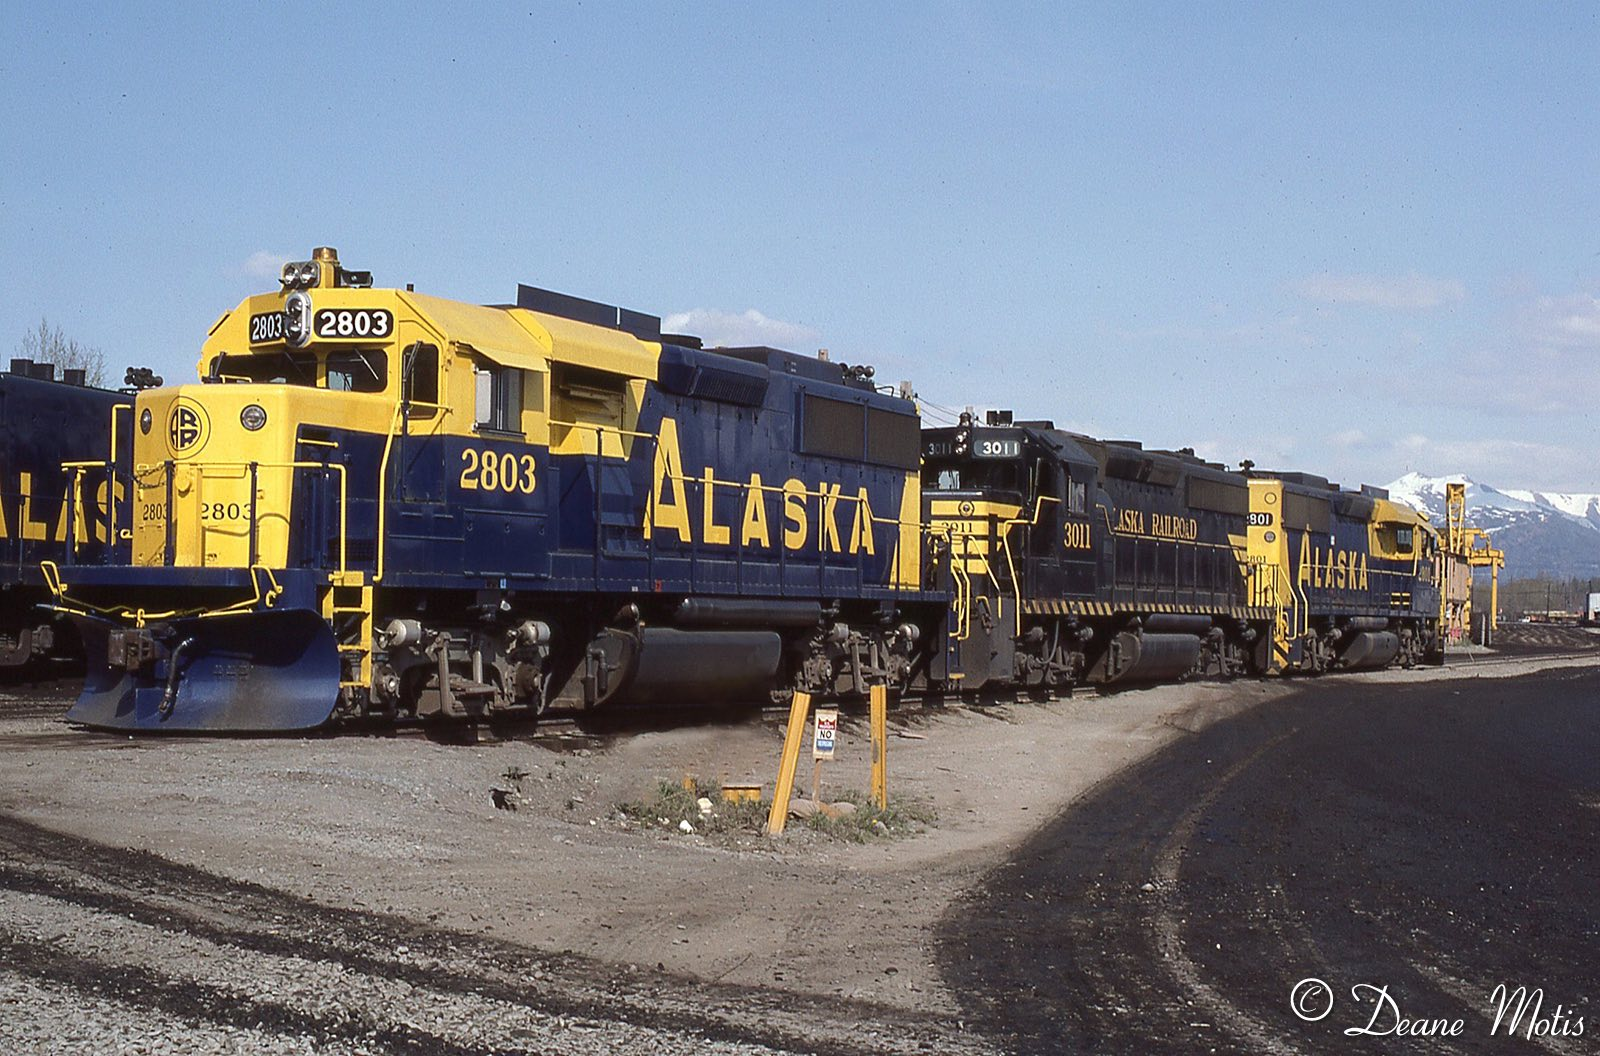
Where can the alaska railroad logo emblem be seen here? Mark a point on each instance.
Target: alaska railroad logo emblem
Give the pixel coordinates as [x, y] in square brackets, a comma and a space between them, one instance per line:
[187, 427]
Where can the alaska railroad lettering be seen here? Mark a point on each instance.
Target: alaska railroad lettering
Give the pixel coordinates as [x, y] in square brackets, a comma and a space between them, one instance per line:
[1160, 525]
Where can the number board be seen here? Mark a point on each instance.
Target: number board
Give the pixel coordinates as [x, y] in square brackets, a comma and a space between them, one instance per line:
[353, 324]
[825, 734]
[982, 448]
[266, 327]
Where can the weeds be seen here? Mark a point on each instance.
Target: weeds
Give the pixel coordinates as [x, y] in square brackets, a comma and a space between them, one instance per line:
[674, 804]
[861, 821]
[867, 822]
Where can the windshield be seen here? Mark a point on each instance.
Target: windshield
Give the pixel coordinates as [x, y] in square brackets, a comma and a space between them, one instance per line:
[343, 370]
[973, 476]
[356, 370]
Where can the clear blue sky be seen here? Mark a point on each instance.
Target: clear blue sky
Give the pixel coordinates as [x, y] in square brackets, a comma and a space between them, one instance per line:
[1355, 240]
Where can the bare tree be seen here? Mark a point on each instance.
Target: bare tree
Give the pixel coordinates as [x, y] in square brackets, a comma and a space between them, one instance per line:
[48, 344]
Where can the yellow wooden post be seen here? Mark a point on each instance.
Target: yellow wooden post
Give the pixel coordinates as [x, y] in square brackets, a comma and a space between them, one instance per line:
[799, 711]
[880, 746]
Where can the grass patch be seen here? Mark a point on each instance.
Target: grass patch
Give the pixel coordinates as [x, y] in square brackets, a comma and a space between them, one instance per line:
[867, 822]
[674, 804]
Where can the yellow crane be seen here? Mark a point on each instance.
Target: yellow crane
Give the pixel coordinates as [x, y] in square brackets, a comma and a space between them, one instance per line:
[1471, 547]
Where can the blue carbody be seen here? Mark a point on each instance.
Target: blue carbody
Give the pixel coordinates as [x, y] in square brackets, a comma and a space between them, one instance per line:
[44, 423]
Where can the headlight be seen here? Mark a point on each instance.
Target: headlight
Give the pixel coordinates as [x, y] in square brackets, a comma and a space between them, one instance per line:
[308, 273]
[291, 274]
[253, 417]
[297, 318]
[146, 420]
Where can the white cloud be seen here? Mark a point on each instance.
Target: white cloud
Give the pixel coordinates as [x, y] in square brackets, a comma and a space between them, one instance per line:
[1570, 321]
[264, 264]
[1348, 438]
[1382, 291]
[732, 329]
[1545, 362]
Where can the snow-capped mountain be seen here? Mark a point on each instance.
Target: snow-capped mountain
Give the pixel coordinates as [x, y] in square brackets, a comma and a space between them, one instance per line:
[1540, 532]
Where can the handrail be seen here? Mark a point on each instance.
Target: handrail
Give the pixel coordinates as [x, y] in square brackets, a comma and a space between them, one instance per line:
[1005, 544]
[383, 484]
[267, 595]
[253, 467]
[74, 499]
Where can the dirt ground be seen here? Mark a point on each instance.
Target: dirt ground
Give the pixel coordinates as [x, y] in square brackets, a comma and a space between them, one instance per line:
[405, 826]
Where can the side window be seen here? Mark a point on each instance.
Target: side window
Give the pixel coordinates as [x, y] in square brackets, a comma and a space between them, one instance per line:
[1076, 493]
[498, 404]
[421, 366]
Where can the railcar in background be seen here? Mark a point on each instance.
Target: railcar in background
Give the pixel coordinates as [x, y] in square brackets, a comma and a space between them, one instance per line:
[58, 452]
[1076, 559]
[1356, 577]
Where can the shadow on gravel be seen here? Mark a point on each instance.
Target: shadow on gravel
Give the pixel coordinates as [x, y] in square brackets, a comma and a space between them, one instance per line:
[1438, 839]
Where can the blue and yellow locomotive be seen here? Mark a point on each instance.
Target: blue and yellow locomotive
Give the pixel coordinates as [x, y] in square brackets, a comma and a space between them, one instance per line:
[377, 502]
[58, 453]
[1356, 577]
[1080, 559]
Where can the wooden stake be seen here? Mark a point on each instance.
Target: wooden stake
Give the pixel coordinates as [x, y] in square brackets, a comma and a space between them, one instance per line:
[799, 712]
[879, 702]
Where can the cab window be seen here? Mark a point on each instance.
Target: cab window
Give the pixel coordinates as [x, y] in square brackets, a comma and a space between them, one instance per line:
[420, 372]
[974, 476]
[498, 402]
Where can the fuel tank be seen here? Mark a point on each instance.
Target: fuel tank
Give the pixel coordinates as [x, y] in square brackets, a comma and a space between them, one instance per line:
[667, 666]
[1134, 657]
[1368, 650]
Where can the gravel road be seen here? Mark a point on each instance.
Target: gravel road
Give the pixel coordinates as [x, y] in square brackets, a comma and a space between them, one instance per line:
[1438, 839]
[110, 951]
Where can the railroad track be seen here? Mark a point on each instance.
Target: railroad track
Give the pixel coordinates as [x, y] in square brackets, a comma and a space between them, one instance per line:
[49, 698]
[563, 725]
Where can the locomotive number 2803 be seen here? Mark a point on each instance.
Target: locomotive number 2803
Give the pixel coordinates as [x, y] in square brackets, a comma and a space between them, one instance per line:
[487, 471]
[363, 322]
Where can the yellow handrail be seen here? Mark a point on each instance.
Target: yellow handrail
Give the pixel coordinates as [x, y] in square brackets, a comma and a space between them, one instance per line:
[383, 484]
[244, 466]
